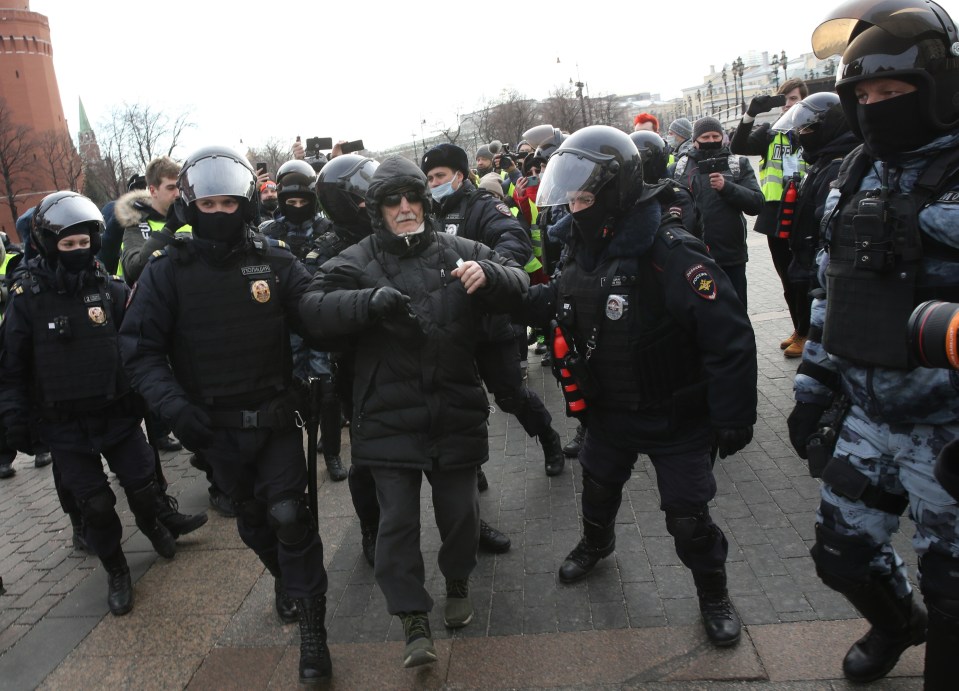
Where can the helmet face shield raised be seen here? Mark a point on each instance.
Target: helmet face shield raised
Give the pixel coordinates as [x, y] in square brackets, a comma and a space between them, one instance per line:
[571, 172]
[807, 113]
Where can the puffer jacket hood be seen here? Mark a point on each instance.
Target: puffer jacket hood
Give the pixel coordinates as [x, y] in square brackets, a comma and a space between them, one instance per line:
[394, 174]
[131, 207]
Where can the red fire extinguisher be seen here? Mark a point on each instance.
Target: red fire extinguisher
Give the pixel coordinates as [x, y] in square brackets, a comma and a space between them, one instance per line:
[787, 208]
[575, 403]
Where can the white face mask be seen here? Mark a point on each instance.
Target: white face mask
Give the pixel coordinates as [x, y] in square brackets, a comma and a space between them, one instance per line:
[440, 192]
[673, 140]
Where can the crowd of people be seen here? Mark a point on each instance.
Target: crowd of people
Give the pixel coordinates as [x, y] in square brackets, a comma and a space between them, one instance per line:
[234, 308]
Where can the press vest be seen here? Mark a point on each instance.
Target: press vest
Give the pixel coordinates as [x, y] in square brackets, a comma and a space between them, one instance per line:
[771, 169]
[231, 338]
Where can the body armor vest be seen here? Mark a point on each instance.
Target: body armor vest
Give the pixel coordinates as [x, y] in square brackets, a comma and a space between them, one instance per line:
[453, 221]
[231, 338]
[638, 355]
[873, 276]
[76, 356]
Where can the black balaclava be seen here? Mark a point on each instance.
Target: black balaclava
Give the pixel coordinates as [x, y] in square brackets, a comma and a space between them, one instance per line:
[218, 234]
[894, 126]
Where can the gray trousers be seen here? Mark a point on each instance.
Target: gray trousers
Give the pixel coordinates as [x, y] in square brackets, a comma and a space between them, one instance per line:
[399, 569]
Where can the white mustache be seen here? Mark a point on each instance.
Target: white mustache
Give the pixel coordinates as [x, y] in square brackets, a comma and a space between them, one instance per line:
[406, 217]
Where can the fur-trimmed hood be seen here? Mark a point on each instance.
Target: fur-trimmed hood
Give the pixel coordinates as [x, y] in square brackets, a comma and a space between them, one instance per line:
[134, 207]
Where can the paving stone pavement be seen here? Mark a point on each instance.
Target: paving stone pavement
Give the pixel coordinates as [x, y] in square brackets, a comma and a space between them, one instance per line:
[205, 619]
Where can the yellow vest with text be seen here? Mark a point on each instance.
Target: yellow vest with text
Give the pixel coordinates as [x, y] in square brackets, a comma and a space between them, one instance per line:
[771, 170]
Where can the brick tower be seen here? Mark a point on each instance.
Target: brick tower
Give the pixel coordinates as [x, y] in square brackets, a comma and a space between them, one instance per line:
[28, 85]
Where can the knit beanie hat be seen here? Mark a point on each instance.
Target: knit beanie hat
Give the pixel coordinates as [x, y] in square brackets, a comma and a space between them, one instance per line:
[493, 183]
[484, 152]
[682, 127]
[704, 125]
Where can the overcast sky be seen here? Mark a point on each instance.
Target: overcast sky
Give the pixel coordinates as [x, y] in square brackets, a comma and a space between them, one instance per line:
[375, 70]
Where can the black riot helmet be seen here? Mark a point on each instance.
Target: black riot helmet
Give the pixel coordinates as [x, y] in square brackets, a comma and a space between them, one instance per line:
[61, 214]
[215, 171]
[911, 40]
[592, 159]
[342, 186]
[652, 150]
[815, 121]
[296, 179]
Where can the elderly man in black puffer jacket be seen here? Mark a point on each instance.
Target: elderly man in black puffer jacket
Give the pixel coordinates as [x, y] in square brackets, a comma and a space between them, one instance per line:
[413, 296]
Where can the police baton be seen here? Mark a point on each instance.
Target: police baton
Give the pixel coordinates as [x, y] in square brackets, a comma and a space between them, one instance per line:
[312, 432]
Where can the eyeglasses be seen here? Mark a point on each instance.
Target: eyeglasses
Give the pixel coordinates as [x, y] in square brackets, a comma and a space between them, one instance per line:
[397, 197]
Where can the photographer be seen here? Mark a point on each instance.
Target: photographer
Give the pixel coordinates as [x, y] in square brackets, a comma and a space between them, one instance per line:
[723, 196]
[780, 159]
[895, 193]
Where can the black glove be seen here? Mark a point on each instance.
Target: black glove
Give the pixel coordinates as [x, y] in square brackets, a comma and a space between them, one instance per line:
[18, 437]
[194, 428]
[387, 301]
[803, 422]
[759, 104]
[947, 468]
[731, 440]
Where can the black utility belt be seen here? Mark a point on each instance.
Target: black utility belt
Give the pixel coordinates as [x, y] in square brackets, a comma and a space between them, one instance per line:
[281, 413]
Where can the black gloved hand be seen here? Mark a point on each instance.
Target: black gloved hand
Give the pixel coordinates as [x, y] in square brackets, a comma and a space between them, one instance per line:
[803, 422]
[387, 301]
[18, 437]
[947, 468]
[731, 440]
[759, 104]
[193, 427]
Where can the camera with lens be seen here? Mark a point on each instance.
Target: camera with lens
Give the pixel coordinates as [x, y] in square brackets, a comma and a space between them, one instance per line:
[933, 328]
[503, 158]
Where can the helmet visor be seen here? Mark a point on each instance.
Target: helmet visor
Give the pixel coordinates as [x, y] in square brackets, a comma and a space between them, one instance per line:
[70, 211]
[806, 113]
[571, 172]
[900, 18]
[216, 175]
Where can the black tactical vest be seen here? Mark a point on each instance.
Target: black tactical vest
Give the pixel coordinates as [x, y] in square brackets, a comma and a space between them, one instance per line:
[875, 262]
[76, 356]
[231, 338]
[637, 353]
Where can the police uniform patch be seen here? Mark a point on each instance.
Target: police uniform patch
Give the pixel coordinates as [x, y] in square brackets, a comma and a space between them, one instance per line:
[97, 315]
[503, 209]
[451, 228]
[260, 291]
[616, 306]
[701, 281]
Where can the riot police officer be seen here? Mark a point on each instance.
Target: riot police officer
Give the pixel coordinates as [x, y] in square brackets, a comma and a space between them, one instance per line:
[61, 362]
[206, 341]
[477, 215]
[300, 225]
[674, 198]
[661, 354]
[890, 224]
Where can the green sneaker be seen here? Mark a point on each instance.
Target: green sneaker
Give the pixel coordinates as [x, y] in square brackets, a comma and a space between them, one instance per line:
[459, 609]
[419, 643]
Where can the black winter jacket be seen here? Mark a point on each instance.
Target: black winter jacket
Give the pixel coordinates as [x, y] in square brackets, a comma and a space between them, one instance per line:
[418, 400]
[724, 226]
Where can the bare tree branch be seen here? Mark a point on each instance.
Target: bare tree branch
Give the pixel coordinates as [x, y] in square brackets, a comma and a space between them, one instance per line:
[17, 156]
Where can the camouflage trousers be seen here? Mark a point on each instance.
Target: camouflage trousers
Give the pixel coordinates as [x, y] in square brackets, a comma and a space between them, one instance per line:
[899, 459]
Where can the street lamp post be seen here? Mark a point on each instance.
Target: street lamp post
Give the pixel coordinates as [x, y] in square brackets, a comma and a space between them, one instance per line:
[582, 103]
[709, 90]
[699, 101]
[739, 69]
[783, 62]
[416, 156]
[726, 91]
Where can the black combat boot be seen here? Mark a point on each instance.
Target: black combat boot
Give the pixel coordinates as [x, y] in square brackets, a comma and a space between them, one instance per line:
[598, 541]
[119, 585]
[315, 663]
[177, 523]
[79, 541]
[552, 452]
[493, 540]
[719, 616]
[942, 644]
[571, 450]
[896, 624]
[369, 533]
[145, 503]
[285, 605]
[334, 466]
[482, 483]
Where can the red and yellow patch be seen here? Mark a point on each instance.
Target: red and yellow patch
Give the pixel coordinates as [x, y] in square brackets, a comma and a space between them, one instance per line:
[503, 209]
[701, 281]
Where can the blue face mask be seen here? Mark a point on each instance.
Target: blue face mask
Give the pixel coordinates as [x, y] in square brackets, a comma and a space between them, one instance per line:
[440, 192]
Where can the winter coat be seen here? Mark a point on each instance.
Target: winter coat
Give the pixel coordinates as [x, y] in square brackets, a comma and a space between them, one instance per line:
[418, 399]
